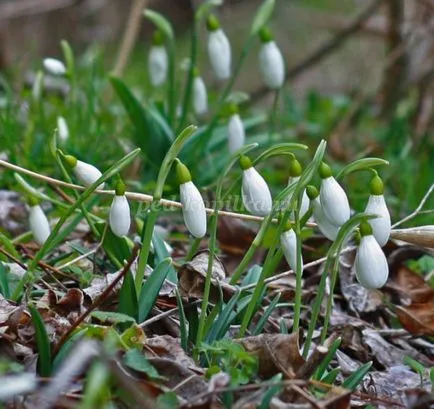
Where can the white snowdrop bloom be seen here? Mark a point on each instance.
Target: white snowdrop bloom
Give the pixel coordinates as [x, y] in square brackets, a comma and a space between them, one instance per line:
[200, 96]
[54, 67]
[288, 242]
[219, 49]
[333, 198]
[86, 173]
[119, 216]
[158, 61]
[62, 129]
[381, 226]
[371, 265]
[271, 63]
[193, 207]
[329, 230]
[39, 224]
[236, 133]
[255, 192]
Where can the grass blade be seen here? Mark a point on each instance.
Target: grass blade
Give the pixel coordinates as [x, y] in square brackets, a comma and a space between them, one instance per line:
[355, 378]
[267, 313]
[42, 343]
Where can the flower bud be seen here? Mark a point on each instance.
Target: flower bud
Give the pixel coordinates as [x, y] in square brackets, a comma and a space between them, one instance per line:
[236, 134]
[193, 207]
[288, 242]
[381, 226]
[54, 67]
[200, 96]
[219, 49]
[371, 265]
[38, 222]
[271, 62]
[87, 174]
[333, 198]
[62, 129]
[158, 61]
[255, 192]
[119, 216]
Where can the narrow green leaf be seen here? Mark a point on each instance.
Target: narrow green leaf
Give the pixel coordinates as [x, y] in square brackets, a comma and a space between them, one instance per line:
[43, 344]
[111, 317]
[415, 365]
[267, 313]
[279, 149]
[4, 281]
[355, 378]
[151, 288]
[182, 322]
[8, 245]
[68, 55]
[161, 22]
[331, 376]
[271, 392]
[97, 389]
[128, 303]
[161, 253]
[67, 347]
[322, 367]
[262, 16]
[137, 361]
[361, 164]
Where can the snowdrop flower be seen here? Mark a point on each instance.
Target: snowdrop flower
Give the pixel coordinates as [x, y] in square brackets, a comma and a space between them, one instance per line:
[271, 62]
[38, 86]
[62, 129]
[381, 226]
[38, 222]
[158, 60]
[193, 207]
[333, 198]
[288, 242]
[372, 269]
[119, 216]
[87, 174]
[236, 134]
[295, 170]
[329, 230]
[54, 67]
[255, 192]
[219, 49]
[200, 95]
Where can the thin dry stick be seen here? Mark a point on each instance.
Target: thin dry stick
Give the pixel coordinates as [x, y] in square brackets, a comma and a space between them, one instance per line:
[130, 36]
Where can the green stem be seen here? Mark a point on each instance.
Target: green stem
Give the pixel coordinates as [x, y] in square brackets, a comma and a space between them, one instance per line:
[273, 115]
[298, 273]
[193, 248]
[171, 95]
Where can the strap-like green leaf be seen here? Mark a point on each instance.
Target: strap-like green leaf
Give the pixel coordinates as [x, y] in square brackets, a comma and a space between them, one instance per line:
[42, 343]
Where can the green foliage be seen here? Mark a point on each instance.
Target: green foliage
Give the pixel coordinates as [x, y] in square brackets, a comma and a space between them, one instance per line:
[42, 342]
[134, 359]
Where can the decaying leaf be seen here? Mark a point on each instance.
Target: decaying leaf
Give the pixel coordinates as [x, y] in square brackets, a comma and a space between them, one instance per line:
[421, 236]
[418, 319]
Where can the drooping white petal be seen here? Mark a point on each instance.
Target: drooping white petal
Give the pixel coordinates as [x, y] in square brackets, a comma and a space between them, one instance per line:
[271, 65]
[158, 63]
[236, 133]
[372, 269]
[39, 224]
[193, 209]
[219, 52]
[329, 230]
[87, 174]
[288, 242]
[54, 67]
[62, 129]
[119, 216]
[304, 199]
[381, 226]
[256, 194]
[334, 201]
[200, 96]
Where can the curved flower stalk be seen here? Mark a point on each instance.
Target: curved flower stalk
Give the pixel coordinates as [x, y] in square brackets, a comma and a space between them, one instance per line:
[381, 226]
[119, 216]
[62, 129]
[38, 85]
[295, 171]
[236, 133]
[219, 49]
[200, 95]
[329, 230]
[271, 62]
[371, 265]
[333, 198]
[288, 242]
[193, 207]
[158, 60]
[54, 66]
[255, 192]
[84, 172]
[38, 222]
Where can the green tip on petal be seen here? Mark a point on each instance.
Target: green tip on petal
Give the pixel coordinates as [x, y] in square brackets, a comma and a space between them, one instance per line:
[212, 23]
[182, 172]
[377, 186]
[196, 72]
[325, 171]
[357, 237]
[365, 229]
[157, 38]
[120, 187]
[312, 192]
[70, 160]
[245, 162]
[295, 168]
[265, 35]
[288, 226]
[33, 201]
[233, 109]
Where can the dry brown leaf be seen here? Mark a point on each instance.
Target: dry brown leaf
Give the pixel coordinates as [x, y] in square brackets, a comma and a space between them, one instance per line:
[418, 319]
[276, 353]
[412, 285]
